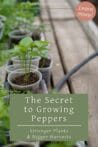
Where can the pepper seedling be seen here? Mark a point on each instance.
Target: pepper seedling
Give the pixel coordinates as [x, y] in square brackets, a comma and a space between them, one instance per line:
[28, 49]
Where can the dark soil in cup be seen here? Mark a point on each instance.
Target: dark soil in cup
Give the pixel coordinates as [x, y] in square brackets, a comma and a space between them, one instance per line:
[44, 63]
[36, 36]
[16, 40]
[26, 79]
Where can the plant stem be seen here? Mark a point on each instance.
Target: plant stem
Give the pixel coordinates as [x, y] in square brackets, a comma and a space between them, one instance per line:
[30, 60]
[25, 65]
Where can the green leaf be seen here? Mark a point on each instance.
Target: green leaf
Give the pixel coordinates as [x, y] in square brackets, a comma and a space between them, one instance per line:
[41, 44]
[26, 42]
[35, 52]
[23, 50]
[42, 48]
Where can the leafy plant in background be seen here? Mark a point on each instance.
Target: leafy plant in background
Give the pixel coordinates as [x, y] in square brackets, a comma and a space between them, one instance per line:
[4, 56]
[24, 16]
[6, 9]
[19, 16]
[9, 2]
[38, 29]
[35, 5]
[40, 48]
[4, 116]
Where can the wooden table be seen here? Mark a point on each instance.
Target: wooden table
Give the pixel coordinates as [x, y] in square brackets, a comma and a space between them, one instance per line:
[69, 46]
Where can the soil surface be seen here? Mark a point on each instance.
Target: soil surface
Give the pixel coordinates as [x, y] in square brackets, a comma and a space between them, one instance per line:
[36, 36]
[26, 79]
[44, 63]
